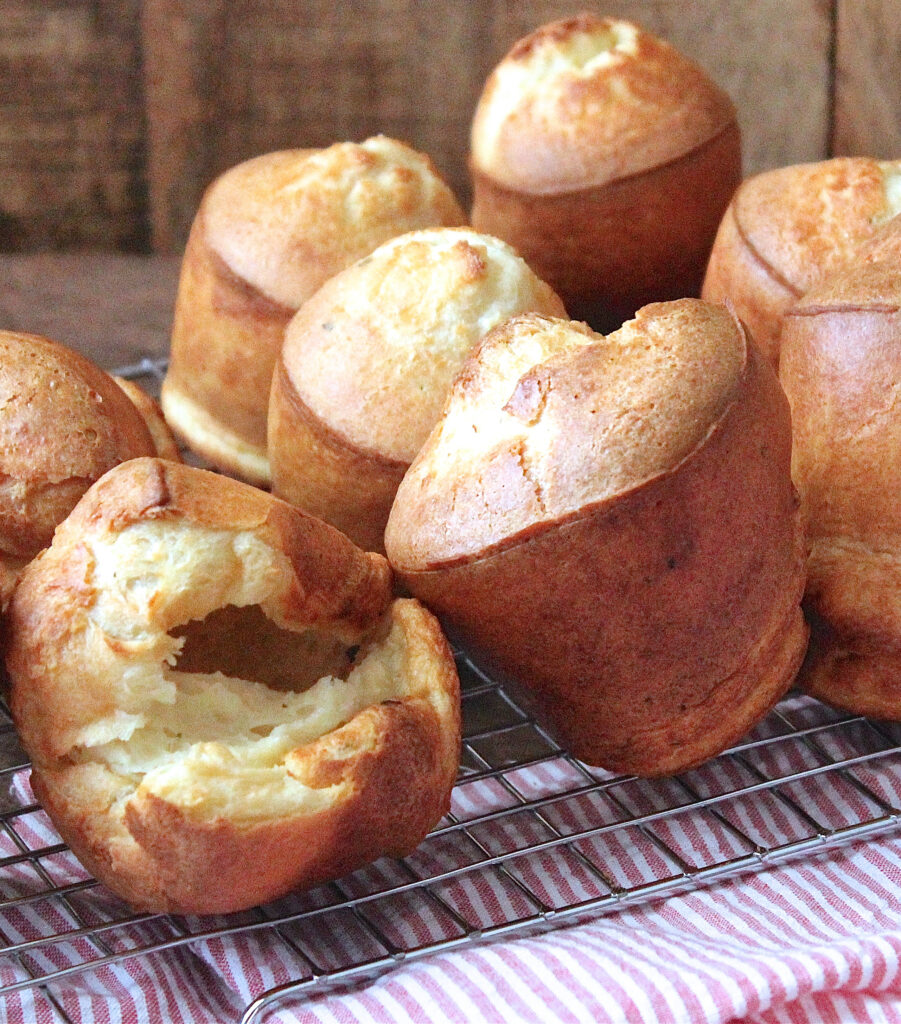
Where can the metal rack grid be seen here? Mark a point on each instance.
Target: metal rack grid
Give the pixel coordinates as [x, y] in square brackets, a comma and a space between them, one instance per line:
[534, 839]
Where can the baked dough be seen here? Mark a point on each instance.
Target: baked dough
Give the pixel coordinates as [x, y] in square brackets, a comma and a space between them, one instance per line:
[368, 361]
[841, 370]
[63, 424]
[268, 233]
[220, 698]
[607, 158]
[610, 524]
[787, 229]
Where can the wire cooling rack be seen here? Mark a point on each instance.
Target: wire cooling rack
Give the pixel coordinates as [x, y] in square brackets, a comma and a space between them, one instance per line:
[534, 839]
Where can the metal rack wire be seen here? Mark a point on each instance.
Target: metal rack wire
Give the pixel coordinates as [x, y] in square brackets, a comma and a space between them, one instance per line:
[534, 839]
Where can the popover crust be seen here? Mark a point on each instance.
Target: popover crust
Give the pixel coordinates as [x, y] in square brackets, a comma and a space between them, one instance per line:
[368, 361]
[607, 158]
[63, 424]
[649, 472]
[154, 764]
[585, 101]
[268, 233]
[788, 229]
[841, 369]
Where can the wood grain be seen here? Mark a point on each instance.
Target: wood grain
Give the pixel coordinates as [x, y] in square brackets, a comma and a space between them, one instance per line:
[114, 308]
[71, 120]
[868, 79]
[183, 50]
[116, 114]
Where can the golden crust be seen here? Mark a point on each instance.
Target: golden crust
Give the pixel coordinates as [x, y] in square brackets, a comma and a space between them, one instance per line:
[586, 101]
[369, 359]
[610, 249]
[607, 159]
[547, 419]
[152, 415]
[286, 222]
[64, 423]
[268, 233]
[788, 229]
[841, 368]
[318, 470]
[669, 513]
[370, 781]
[225, 340]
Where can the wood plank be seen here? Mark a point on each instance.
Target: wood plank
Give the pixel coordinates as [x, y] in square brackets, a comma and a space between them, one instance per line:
[867, 76]
[114, 308]
[71, 146]
[183, 50]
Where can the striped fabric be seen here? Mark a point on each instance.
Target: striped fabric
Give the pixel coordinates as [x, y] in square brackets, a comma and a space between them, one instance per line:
[816, 941]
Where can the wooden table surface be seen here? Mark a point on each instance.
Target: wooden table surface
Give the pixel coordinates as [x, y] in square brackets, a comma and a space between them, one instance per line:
[115, 309]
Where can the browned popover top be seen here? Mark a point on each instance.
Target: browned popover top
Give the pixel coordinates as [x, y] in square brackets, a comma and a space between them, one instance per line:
[373, 353]
[63, 424]
[804, 222]
[285, 222]
[841, 369]
[548, 419]
[586, 100]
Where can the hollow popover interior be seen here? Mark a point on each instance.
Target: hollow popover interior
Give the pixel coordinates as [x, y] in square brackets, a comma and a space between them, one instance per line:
[202, 673]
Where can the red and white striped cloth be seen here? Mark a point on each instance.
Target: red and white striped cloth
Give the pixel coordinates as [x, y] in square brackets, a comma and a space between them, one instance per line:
[816, 941]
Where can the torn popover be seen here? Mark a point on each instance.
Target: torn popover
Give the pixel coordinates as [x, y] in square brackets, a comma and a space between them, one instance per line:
[268, 233]
[219, 696]
[610, 523]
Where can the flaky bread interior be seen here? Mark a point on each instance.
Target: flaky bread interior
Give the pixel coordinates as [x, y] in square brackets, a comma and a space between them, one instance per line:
[153, 751]
[219, 745]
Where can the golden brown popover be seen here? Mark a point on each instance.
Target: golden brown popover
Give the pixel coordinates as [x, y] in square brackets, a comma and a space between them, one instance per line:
[368, 361]
[841, 370]
[607, 158]
[610, 523]
[268, 233]
[787, 229]
[220, 698]
[63, 424]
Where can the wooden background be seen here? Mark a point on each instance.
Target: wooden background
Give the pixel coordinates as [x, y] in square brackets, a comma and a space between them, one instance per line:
[115, 114]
